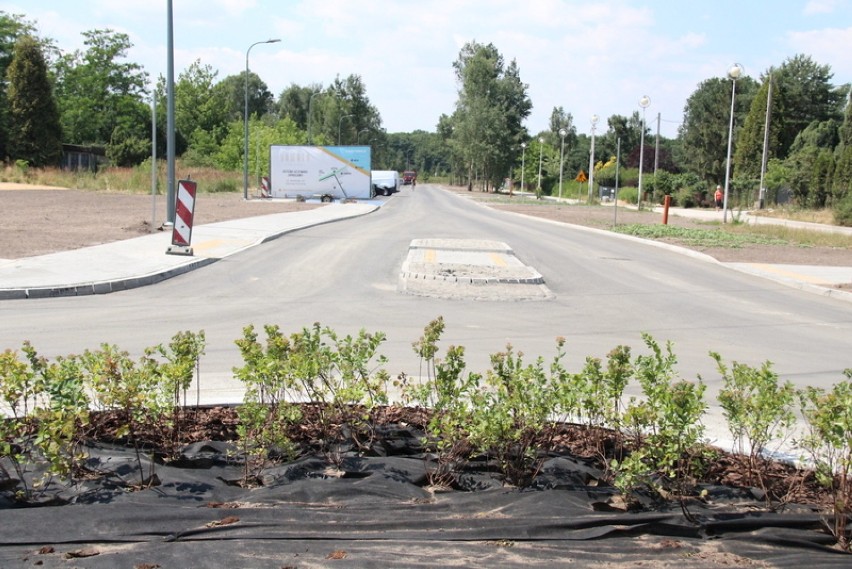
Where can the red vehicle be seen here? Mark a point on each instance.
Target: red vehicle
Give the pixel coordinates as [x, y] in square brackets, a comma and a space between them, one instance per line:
[408, 177]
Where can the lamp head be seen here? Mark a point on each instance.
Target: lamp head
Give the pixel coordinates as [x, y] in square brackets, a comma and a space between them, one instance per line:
[562, 132]
[645, 101]
[523, 145]
[735, 71]
[594, 120]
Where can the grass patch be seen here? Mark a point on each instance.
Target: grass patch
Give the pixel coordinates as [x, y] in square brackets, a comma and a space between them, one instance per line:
[699, 237]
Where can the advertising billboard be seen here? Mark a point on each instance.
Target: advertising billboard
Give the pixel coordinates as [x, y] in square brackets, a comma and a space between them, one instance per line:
[314, 171]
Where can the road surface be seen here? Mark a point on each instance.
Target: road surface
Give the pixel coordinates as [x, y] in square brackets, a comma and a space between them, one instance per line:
[602, 291]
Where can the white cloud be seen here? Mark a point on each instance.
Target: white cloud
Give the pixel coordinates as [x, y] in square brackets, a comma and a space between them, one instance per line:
[819, 7]
[827, 47]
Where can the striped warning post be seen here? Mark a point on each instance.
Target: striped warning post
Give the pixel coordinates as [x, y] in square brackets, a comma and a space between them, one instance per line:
[184, 210]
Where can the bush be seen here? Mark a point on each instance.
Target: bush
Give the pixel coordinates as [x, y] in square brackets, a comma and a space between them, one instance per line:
[223, 186]
[686, 197]
[843, 212]
[628, 194]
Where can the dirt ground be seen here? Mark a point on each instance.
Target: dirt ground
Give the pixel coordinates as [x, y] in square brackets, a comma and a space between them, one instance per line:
[40, 221]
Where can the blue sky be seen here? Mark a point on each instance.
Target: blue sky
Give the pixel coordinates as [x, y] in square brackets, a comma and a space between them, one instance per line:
[588, 57]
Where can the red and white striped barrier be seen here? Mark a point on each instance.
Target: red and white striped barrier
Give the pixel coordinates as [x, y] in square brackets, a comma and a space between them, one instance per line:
[184, 211]
[264, 187]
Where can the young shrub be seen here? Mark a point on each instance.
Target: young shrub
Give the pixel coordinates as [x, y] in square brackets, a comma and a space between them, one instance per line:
[828, 443]
[339, 376]
[18, 391]
[447, 392]
[758, 409]
[509, 416]
[182, 362]
[600, 390]
[130, 389]
[63, 415]
[667, 424]
[594, 395]
[270, 389]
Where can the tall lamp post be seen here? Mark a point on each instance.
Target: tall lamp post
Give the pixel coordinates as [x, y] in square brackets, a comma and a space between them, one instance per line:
[733, 73]
[540, 154]
[523, 156]
[358, 136]
[562, 133]
[592, 158]
[339, 124]
[246, 119]
[643, 102]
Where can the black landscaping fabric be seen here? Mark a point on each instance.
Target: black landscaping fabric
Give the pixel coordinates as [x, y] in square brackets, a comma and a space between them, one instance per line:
[377, 511]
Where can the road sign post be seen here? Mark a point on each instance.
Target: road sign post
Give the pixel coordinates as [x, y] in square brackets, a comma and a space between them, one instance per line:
[184, 211]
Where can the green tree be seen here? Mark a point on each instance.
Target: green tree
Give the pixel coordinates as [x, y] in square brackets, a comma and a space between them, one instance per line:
[295, 101]
[492, 104]
[35, 134]
[748, 157]
[344, 111]
[201, 111]
[811, 163]
[100, 96]
[11, 27]
[842, 180]
[704, 132]
[232, 90]
[805, 95]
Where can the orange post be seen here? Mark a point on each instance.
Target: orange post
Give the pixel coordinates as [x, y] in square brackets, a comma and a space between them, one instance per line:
[666, 203]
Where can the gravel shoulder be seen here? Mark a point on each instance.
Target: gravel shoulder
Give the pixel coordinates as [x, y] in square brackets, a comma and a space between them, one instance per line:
[40, 221]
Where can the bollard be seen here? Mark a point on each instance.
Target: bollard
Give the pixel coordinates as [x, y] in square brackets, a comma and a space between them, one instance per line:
[666, 203]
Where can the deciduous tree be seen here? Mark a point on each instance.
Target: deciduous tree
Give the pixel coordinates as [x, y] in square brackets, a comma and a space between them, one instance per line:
[101, 96]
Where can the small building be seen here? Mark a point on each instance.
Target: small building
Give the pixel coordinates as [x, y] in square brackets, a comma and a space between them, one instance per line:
[79, 157]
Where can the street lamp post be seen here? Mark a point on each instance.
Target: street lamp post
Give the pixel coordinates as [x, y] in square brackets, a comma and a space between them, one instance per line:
[339, 124]
[310, 115]
[246, 119]
[733, 73]
[643, 102]
[358, 136]
[523, 156]
[540, 154]
[562, 133]
[592, 158]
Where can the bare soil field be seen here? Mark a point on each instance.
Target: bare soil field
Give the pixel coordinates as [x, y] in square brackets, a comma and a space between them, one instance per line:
[40, 221]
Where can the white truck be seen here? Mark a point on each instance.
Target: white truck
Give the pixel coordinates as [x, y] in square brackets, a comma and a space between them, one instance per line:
[385, 182]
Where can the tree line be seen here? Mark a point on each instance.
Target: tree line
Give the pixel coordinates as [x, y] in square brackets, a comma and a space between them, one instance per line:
[95, 97]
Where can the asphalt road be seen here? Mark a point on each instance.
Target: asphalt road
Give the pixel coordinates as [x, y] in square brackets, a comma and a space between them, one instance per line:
[605, 291]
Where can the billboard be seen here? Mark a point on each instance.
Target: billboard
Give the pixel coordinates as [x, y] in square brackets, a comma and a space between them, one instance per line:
[314, 171]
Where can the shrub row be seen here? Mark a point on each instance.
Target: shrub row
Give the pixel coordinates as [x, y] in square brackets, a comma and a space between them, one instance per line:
[504, 413]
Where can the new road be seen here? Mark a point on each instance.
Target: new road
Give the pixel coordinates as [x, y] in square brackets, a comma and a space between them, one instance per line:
[595, 289]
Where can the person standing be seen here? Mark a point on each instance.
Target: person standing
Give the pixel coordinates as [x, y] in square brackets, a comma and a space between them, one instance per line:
[718, 197]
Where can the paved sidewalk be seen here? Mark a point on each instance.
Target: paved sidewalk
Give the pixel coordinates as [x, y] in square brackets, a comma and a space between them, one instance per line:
[141, 261]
